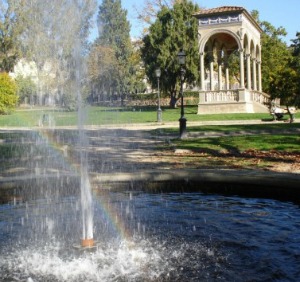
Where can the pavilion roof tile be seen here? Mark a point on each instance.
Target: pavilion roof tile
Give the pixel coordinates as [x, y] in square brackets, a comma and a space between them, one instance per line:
[220, 10]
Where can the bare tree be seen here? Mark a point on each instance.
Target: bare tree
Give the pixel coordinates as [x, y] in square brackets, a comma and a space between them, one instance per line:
[148, 12]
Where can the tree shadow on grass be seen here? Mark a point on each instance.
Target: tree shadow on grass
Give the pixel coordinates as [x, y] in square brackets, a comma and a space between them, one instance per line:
[122, 150]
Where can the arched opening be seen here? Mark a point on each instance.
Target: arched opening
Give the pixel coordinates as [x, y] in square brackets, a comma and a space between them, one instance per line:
[221, 65]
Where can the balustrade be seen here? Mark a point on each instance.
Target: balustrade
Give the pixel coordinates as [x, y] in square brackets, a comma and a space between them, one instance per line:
[234, 95]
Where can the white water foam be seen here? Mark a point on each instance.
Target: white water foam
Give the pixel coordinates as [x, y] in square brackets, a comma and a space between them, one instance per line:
[107, 263]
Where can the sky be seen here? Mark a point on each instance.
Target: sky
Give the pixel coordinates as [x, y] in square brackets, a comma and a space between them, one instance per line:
[285, 13]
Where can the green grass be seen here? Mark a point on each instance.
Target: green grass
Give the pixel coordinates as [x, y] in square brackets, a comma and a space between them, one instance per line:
[110, 115]
[270, 136]
[279, 142]
[268, 127]
[130, 115]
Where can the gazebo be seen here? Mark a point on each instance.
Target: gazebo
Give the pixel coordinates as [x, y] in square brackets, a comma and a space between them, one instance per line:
[230, 62]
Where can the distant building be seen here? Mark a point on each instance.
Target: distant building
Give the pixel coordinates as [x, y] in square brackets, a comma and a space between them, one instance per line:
[25, 69]
[45, 80]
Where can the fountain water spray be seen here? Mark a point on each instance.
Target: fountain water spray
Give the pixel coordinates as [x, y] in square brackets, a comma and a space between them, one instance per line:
[87, 210]
[85, 187]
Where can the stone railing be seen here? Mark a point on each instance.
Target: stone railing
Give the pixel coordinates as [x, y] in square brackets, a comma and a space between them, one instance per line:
[260, 97]
[219, 96]
[234, 95]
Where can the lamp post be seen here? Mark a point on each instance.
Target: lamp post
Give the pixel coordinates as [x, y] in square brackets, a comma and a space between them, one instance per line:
[159, 112]
[182, 121]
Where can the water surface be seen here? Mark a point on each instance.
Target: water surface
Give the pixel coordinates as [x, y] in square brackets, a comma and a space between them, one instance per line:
[152, 237]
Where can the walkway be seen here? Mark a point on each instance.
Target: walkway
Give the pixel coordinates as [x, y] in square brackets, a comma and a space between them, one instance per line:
[131, 153]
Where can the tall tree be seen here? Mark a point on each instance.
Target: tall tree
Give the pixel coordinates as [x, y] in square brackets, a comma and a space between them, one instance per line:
[294, 97]
[101, 67]
[11, 27]
[295, 49]
[112, 20]
[53, 30]
[175, 29]
[276, 57]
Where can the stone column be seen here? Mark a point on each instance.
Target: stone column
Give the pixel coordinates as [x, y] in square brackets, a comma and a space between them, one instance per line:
[248, 56]
[202, 71]
[242, 72]
[254, 74]
[220, 75]
[259, 76]
[227, 86]
[211, 74]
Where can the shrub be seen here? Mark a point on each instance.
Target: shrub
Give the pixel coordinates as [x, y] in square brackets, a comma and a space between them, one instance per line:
[8, 94]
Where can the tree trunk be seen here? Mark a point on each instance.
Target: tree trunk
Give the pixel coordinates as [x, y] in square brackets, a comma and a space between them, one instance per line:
[173, 100]
[291, 114]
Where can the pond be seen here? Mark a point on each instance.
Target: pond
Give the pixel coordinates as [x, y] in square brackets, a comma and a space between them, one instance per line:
[144, 236]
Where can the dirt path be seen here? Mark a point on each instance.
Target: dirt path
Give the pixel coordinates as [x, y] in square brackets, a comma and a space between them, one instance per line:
[135, 147]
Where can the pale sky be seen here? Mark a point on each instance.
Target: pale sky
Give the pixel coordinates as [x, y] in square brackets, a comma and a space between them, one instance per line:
[285, 13]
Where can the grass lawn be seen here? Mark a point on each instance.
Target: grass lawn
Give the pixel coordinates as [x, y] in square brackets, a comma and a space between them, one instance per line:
[267, 142]
[268, 146]
[110, 115]
[279, 152]
[282, 126]
[270, 136]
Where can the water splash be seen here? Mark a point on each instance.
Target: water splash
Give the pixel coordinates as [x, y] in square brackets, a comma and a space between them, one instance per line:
[85, 187]
[86, 205]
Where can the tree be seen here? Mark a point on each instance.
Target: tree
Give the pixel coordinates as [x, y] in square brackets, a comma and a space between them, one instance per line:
[102, 65]
[174, 29]
[54, 31]
[8, 94]
[296, 50]
[276, 57]
[139, 81]
[286, 86]
[113, 20]
[294, 97]
[26, 89]
[11, 27]
[147, 15]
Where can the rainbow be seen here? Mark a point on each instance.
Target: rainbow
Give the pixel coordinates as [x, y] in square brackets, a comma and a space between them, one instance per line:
[110, 212]
[72, 165]
[112, 216]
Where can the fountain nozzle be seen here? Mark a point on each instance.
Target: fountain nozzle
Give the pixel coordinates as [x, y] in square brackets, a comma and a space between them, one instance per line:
[87, 243]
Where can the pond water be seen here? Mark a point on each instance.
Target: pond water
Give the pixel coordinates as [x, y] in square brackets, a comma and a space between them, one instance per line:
[152, 237]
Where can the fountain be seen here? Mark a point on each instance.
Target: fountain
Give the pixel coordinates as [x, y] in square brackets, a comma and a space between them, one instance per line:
[172, 234]
[57, 189]
[85, 187]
